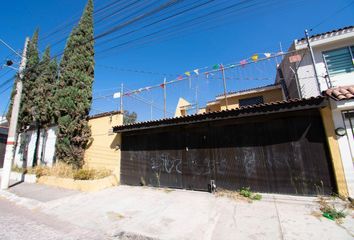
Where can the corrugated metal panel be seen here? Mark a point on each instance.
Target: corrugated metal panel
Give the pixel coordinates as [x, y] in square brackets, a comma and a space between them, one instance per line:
[278, 153]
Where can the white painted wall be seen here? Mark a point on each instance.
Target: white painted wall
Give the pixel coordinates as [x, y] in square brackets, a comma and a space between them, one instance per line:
[24, 154]
[306, 72]
[344, 142]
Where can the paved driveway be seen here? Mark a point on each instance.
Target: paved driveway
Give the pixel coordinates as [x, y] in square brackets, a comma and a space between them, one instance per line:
[148, 213]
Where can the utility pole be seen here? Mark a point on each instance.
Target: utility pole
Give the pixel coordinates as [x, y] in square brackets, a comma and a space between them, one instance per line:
[121, 98]
[164, 97]
[196, 100]
[224, 81]
[313, 61]
[11, 138]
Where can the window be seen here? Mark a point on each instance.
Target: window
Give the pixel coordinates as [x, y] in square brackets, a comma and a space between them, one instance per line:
[339, 60]
[251, 101]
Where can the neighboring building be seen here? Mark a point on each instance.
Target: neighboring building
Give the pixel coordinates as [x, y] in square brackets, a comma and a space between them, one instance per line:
[103, 151]
[4, 127]
[248, 97]
[182, 107]
[26, 145]
[342, 115]
[334, 61]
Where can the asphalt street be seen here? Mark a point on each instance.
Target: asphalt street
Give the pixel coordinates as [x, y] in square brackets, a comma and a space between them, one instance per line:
[20, 223]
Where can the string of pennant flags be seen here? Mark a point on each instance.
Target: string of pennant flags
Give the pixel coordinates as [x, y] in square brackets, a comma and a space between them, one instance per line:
[201, 71]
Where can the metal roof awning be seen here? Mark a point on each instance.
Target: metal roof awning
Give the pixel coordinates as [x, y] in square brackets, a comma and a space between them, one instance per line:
[247, 111]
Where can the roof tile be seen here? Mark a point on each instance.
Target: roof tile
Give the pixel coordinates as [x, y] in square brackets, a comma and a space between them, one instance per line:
[340, 93]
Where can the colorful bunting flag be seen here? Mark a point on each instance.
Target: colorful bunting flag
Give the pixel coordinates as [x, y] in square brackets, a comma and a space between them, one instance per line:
[216, 66]
[180, 77]
[196, 71]
[206, 74]
[162, 85]
[188, 74]
[254, 57]
[267, 55]
[243, 62]
[116, 95]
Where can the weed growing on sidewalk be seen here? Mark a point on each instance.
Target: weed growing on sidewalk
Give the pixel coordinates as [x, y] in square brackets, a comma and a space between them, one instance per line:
[244, 194]
[330, 211]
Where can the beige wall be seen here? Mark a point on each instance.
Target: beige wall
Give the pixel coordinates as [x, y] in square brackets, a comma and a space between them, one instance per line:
[214, 107]
[271, 95]
[334, 151]
[102, 152]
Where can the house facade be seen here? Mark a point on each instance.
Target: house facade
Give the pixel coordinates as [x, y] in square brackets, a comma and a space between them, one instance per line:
[260, 95]
[103, 150]
[333, 59]
[334, 63]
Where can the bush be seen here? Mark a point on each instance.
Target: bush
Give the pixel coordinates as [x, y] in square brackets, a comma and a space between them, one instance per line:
[61, 169]
[39, 171]
[84, 174]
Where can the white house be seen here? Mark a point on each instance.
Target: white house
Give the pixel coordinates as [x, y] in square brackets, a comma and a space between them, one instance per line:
[334, 62]
[333, 54]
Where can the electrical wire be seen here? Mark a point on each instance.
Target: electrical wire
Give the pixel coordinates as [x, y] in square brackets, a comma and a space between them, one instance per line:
[331, 15]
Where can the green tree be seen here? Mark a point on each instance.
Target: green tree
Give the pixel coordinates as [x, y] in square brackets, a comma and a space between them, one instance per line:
[129, 118]
[43, 99]
[74, 93]
[30, 74]
[26, 115]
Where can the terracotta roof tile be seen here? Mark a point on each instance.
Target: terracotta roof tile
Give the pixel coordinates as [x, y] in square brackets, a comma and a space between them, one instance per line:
[341, 93]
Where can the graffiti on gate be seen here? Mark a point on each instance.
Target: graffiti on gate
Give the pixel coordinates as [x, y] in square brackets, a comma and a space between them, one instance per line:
[166, 163]
[200, 166]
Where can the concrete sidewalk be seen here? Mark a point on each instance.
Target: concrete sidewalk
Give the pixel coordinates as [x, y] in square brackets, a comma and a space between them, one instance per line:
[128, 212]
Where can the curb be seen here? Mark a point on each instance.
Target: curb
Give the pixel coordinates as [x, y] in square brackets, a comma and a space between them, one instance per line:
[21, 201]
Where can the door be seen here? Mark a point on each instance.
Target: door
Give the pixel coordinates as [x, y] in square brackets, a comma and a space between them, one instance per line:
[198, 166]
[349, 125]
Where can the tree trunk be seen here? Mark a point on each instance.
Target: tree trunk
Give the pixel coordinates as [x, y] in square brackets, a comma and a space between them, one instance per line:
[36, 149]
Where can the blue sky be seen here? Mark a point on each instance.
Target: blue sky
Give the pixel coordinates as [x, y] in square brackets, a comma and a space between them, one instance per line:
[226, 40]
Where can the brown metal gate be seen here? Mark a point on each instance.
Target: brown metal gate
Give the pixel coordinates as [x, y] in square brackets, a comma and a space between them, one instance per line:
[278, 153]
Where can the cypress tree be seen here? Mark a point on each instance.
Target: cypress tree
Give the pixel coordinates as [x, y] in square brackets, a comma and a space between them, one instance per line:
[43, 99]
[28, 81]
[74, 92]
[26, 114]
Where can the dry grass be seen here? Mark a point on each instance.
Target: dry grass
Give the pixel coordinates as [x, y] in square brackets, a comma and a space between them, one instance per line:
[64, 170]
[232, 195]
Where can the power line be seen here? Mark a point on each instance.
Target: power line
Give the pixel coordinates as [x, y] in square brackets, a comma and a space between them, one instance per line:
[185, 24]
[331, 15]
[135, 70]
